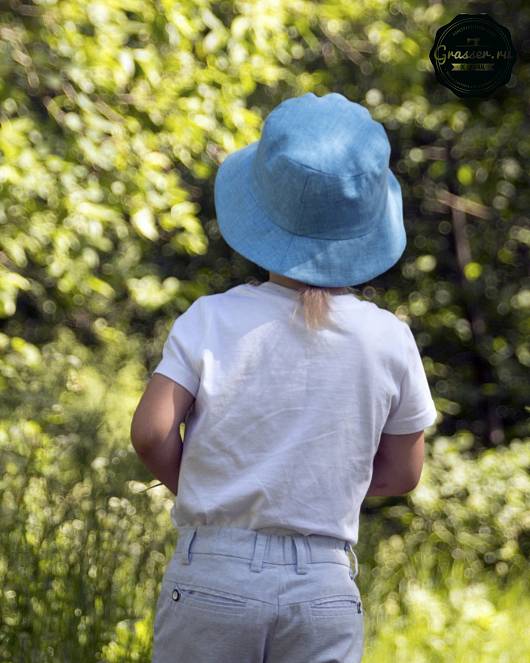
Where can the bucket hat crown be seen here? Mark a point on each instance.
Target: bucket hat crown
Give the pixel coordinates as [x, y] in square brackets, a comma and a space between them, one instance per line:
[314, 199]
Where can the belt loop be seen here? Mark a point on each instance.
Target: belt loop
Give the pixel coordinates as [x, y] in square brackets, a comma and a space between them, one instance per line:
[348, 546]
[301, 545]
[356, 572]
[187, 540]
[259, 551]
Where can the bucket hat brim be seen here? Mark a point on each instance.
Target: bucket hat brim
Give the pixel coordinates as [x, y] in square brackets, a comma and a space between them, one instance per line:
[247, 229]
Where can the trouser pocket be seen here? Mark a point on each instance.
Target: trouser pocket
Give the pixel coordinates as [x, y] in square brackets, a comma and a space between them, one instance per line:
[332, 606]
[207, 598]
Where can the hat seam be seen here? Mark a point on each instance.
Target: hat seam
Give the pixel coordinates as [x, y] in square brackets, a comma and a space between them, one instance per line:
[302, 204]
[323, 172]
[286, 253]
[297, 234]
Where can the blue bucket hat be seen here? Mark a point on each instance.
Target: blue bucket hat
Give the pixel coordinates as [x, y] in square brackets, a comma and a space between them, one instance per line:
[314, 199]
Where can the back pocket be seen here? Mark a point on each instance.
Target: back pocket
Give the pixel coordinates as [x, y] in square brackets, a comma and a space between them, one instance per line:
[207, 598]
[334, 606]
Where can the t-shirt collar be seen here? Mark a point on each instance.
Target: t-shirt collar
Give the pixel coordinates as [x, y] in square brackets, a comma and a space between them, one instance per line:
[291, 293]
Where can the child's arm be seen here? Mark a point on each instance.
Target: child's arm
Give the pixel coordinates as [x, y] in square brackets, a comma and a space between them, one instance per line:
[397, 464]
[155, 428]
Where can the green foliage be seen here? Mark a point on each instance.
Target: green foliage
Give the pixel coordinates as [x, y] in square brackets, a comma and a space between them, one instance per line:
[114, 117]
[466, 513]
[438, 566]
[81, 528]
[470, 622]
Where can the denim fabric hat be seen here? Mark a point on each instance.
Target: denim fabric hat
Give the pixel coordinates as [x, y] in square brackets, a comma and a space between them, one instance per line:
[314, 199]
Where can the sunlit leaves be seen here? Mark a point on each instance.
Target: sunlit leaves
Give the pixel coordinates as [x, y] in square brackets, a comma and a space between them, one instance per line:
[10, 284]
[149, 292]
[465, 175]
[144, 223]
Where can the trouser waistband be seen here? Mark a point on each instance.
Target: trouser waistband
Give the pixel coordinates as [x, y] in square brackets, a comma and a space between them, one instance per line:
[258, 547]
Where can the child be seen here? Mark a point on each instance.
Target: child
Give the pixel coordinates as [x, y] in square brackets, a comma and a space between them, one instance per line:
[285, 413]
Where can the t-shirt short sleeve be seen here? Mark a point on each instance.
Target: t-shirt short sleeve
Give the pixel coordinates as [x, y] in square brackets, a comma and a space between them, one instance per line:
[413, 409]
[181, 353]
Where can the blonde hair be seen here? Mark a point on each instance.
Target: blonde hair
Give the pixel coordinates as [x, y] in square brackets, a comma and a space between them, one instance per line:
[315, 302]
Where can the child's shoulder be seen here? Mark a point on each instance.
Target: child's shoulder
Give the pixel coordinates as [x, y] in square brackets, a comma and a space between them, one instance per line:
[235, 290]
[387, 318]
[214, 299]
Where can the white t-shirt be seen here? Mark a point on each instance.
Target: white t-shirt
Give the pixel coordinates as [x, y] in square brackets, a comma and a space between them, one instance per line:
[287, 420]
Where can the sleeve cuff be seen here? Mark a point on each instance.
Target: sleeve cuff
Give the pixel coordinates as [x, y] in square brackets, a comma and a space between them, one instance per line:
[179, 374]
[412, 424]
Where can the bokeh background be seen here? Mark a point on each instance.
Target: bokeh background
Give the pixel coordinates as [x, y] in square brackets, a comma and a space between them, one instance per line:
[114, 117]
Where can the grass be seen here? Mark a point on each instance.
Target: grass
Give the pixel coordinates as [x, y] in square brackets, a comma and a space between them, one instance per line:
[477, 623]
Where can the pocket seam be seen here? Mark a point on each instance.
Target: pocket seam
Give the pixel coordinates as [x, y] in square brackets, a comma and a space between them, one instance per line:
[195, 602]
[329, 607]
[206, 597]
[210, 590]
[335, 597]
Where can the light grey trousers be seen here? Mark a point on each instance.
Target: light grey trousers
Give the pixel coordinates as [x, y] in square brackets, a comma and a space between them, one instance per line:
[238, 595]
